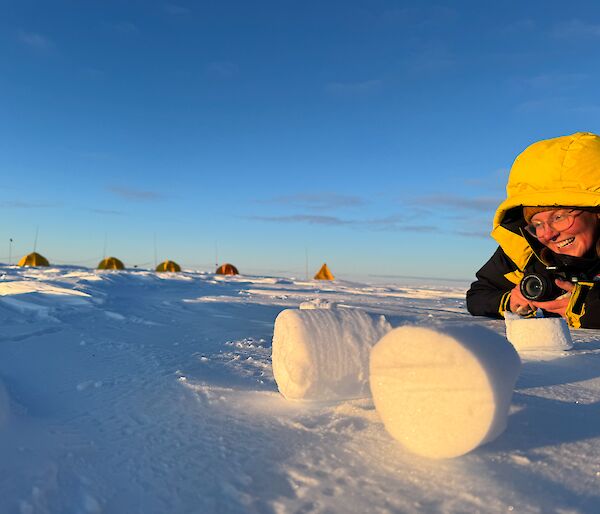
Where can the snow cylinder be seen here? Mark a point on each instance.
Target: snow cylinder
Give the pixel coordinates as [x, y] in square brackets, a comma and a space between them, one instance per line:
[442, 392]
[4, 405]
[537, 334]
[323, 354]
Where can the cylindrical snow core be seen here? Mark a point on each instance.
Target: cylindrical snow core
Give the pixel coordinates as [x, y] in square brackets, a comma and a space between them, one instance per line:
[538, 334]
[443, 392]
[323, 354]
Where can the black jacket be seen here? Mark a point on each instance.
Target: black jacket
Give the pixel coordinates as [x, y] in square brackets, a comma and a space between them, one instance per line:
[489, 295]
[562, 171]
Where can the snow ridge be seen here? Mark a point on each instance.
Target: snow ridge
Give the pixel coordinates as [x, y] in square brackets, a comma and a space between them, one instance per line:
[138, 392]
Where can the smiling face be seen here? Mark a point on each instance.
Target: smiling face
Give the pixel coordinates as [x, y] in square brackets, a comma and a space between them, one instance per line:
[575, 240]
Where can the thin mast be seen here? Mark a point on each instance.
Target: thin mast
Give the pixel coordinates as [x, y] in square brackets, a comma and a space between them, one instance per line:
[306, 262]
[155, 263]
[105, 243]
[37, 230]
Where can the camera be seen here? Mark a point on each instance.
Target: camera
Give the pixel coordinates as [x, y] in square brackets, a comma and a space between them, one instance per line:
[542, 288]
[539, 288]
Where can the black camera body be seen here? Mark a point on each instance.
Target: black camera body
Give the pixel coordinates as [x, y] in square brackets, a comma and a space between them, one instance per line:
[540, 287]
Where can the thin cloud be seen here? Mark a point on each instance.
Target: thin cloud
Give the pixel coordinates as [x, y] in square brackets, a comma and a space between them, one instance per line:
[454, 215]
[177, 10]
[96, 156]
[560, 105]
[354, 88]
[420, 18]
[407, 228]
[124, 27]
[400, 15]
[551, 81]
[481, 204]
[135, 194]
[577, 29]
[107, 211]
[525, 26]
[394, 223]
[537, 105]
[303, 218]
[474, 234]
[18, 204]
[431, 61]
[93, 73]
[496, 181]
[323, 201]
[36, 41]
[222, 70]
[585, 109]
[395, 276]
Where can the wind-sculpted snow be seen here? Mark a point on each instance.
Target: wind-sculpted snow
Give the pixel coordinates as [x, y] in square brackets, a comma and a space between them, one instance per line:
[323, 354]
[538, 334]
[143, 397]
[443, 392]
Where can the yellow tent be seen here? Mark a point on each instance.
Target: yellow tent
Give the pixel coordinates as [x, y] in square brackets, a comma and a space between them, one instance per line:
[324, 274]
[227, 269]
[34, 259]
[168, 266]
[111, 263]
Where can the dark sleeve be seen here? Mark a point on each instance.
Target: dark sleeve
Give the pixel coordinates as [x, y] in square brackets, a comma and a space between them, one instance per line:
[584, 309]
[489, 295]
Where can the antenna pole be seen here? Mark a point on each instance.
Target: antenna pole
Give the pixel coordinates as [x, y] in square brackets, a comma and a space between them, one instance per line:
[10, 242]
[155, 263]
[306, 261]
[37, 230]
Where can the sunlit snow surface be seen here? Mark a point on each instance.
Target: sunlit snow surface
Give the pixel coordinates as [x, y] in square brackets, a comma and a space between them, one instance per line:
[137, 392]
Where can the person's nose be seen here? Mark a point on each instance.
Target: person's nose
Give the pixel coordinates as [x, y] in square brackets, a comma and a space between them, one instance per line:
[549, 233]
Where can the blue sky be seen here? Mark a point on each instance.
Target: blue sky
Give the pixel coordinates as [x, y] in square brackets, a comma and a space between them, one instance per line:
[374, 135]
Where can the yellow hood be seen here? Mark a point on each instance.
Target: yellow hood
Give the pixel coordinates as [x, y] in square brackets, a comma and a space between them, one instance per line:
[564, 171]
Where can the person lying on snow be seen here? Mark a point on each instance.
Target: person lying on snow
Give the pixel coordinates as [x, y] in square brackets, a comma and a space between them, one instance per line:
[549, 225]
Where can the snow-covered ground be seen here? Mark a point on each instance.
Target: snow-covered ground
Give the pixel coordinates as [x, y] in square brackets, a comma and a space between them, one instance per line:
[138, 392]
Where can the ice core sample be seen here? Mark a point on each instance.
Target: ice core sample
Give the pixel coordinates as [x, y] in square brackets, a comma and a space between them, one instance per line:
[323, 354]
[443, 392]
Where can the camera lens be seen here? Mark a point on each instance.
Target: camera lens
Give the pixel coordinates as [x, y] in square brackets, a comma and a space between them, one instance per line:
[533, 287]
[537, 287]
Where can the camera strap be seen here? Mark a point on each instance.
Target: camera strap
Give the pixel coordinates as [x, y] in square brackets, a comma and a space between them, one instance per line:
[576, 308]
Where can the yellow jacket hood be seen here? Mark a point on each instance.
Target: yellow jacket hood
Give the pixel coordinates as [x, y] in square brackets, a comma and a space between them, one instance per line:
[564, 171]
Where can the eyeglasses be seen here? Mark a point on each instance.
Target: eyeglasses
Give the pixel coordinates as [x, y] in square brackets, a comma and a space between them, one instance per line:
[559, 222]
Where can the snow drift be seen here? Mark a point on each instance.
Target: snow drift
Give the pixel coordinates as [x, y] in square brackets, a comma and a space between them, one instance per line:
[547, 334]
[323, 354]
[144, 392]
[443, 392]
